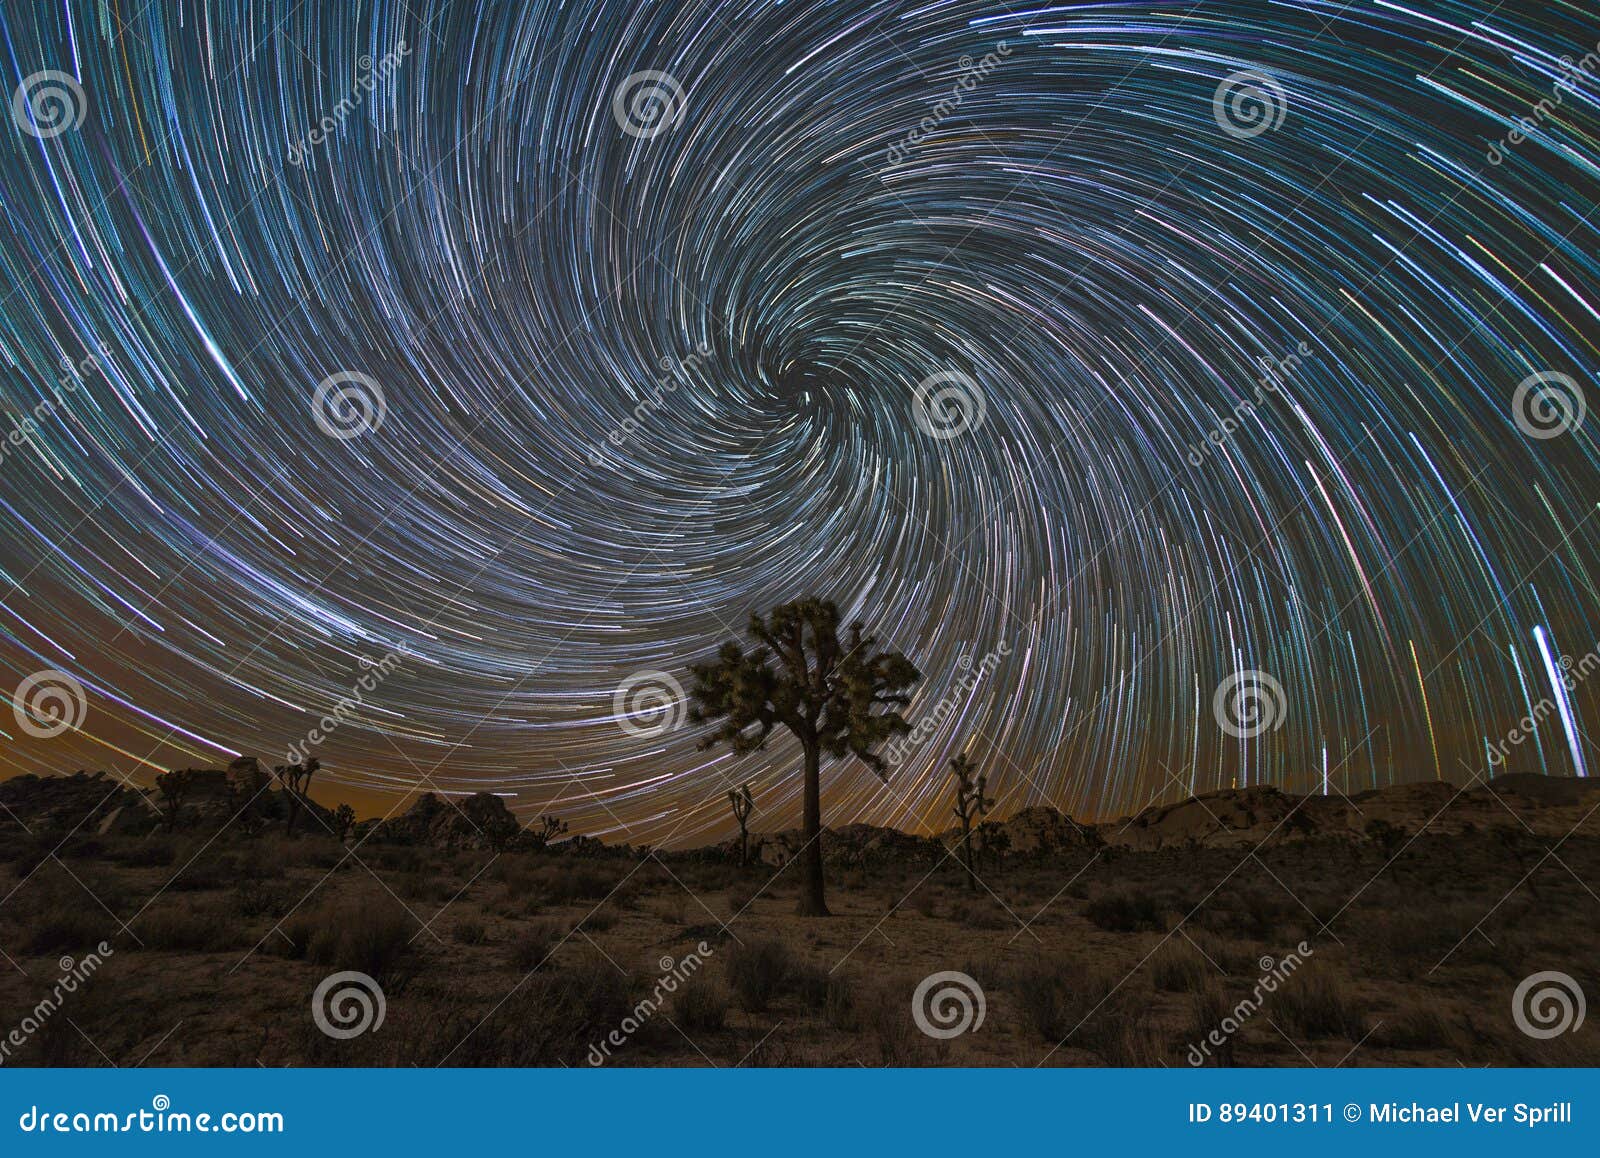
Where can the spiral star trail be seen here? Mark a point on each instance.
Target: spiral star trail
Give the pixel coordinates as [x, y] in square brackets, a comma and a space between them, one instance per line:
[1196, 394]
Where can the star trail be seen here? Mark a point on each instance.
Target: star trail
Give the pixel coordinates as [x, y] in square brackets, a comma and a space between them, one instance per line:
[1196, 394]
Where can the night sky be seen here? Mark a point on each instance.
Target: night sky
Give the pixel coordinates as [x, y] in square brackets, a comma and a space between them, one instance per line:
[508, 355]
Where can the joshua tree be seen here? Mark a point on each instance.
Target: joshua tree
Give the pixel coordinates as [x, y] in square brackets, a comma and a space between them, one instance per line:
[173, 786]
[838, 697]
[743, 805]
[546, 829]
[344, 817]
[970, 805]
[296, 781]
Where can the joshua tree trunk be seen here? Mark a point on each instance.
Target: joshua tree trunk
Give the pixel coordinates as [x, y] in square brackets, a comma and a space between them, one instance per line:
[966, 855]
[744, 846]
[812, 903]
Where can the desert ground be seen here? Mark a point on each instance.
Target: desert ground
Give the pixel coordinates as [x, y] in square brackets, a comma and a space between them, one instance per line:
[1393, 928]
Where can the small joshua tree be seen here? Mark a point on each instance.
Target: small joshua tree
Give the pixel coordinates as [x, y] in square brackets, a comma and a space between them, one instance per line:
[296, 781]
[173, 786]
[544, 830]
[970, 805]
[743, 805]
[344, 818]
[839, 697]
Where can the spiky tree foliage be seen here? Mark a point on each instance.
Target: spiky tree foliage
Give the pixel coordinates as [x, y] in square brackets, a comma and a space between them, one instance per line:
[839, 697]
[544, 830]
[344, 818]
[743, 804]
[296, 782]
[173, 786]
[970, 805]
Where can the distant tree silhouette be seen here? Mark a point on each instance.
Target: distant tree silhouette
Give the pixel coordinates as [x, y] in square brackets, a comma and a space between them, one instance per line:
[970, 805]
[545, 830]
[344, 818]
[296, 781]
[742, 804]
[173, 786]
[838, 697]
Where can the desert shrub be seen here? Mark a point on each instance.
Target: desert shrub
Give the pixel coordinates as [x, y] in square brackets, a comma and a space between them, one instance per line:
[1057, 1000]
[1178, 968]
[1207, 1011]
[364, 934]
[254, 898]
[886, 1026]
[470, 931]
[756, 972]
[533, 946]
[810, 983]
[395, 858]
[201, 874]
[68, 929]
[1124, 911]
[600, 920]
[576, 883]
[1421, 1027]
[983, 914]
[700, 1007]
[839, 1005]
[1315, 1002]
[552, 1018]
[183, 927]
[739, 898]
[1127, 1040]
